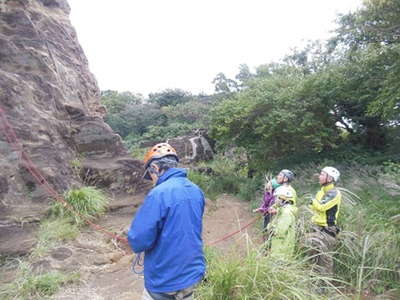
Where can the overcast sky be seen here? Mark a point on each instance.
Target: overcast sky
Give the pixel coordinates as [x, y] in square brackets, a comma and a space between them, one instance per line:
[146, 46]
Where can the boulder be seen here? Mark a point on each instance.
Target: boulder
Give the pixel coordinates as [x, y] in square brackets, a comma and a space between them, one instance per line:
[192, 148]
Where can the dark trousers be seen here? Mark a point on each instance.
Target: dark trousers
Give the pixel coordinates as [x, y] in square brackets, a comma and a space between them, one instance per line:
[267, 219]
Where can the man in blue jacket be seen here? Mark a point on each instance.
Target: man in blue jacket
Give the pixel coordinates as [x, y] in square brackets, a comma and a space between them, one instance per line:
[168, 229]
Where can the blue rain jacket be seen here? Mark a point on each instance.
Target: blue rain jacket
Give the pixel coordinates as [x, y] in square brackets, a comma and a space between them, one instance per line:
[168, 228]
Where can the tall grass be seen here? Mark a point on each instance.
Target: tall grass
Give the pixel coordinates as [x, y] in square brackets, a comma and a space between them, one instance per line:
[31, 285]
[256, 276]
[368, 251]
[367, 257]
[88, 202]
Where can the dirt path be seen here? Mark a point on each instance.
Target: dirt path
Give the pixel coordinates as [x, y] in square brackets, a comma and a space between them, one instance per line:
[106, 271]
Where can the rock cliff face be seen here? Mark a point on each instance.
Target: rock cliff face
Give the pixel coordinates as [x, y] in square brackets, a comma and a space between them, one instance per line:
[51, 100]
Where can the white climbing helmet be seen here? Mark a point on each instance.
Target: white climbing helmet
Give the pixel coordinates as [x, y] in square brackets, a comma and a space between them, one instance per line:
[285, 193]
[333, 172]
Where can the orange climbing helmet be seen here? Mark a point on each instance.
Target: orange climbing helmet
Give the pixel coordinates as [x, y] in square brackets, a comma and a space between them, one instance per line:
[158, 151]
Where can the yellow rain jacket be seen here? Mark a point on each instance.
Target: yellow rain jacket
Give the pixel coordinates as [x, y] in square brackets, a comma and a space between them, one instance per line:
[326, 205]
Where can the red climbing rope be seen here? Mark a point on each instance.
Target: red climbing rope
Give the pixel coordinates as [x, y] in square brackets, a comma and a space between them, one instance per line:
[233, 233]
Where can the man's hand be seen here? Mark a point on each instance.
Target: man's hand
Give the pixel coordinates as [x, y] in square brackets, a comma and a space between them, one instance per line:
[272, 211]
[257, 210]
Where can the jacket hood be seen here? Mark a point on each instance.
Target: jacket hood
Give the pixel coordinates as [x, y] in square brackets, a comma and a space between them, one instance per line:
[172, 172]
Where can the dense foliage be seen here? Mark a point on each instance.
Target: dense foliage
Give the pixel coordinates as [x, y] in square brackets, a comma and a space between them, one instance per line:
[163, 115]
[322, 98]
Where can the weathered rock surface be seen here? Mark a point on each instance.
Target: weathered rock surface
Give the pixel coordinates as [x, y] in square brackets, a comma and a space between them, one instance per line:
[51, 100]
[192, 148]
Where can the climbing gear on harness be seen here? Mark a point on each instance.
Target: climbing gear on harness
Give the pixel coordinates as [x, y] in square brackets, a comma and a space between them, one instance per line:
[138, 262]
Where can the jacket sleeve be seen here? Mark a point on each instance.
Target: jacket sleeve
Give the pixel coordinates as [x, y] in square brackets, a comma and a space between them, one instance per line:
[267, 201]
[146, 225]
[330, 199]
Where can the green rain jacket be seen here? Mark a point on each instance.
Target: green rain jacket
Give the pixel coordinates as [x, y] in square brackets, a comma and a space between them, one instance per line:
[283, 232]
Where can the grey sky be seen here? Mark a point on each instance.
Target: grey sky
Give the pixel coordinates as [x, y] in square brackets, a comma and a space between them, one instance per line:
[146, 46]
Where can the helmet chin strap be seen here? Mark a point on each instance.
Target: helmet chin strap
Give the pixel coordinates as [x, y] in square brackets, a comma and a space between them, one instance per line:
[327, 181]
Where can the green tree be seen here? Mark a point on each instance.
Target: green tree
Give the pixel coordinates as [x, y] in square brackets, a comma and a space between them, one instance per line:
[116, 102]
[368, 43]
[273, 118]
[224, 84]
[244, 75]
[127, 114]
[377, 21]
[169, 97]
[358, 92]
[193, 111]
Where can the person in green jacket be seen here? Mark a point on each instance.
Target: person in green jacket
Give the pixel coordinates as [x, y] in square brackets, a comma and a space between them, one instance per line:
[325, 208]
[282, 228]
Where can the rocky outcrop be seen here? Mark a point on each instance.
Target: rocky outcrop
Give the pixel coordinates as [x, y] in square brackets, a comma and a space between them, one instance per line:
[192, 148]
[51, 100]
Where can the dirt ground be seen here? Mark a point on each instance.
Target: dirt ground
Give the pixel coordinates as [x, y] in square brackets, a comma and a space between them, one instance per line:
[106, 270]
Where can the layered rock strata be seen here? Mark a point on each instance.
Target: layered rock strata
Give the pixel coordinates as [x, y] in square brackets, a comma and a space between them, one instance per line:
[51, 100]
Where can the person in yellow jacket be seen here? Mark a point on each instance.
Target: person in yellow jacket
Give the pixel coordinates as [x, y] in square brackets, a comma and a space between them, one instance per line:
[282, 229]
[325, 207]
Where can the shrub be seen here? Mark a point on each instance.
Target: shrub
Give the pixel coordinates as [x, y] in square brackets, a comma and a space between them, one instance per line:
[228, 176]
[249, 187]
[205, 182]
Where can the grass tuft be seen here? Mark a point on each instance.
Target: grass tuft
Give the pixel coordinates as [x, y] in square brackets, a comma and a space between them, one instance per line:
[53, 231]
[89, 202]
